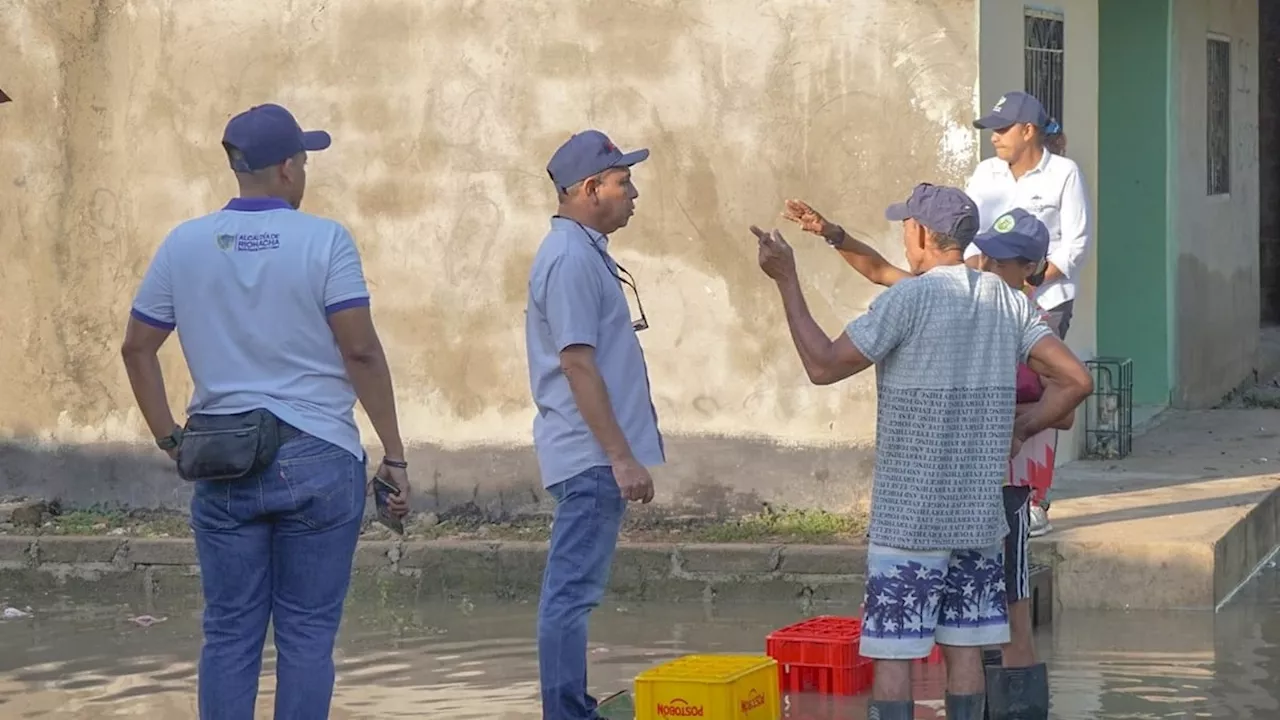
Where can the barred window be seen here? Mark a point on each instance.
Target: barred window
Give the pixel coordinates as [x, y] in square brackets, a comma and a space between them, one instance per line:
[1043, 59]
[1218, 106]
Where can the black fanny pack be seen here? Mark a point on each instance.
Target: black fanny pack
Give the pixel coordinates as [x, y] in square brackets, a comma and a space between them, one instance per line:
[230, 447]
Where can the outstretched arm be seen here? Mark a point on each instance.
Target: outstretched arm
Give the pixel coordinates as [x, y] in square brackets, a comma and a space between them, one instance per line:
[866, 340]
[860, 256]
[864, 258]
[826, 360]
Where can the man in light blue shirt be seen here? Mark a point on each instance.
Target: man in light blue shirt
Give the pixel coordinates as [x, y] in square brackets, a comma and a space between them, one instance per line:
[596, 432]
[272, 312]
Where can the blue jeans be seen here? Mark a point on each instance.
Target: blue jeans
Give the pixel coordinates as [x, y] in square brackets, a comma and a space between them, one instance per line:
[584, 534]
[277, 546]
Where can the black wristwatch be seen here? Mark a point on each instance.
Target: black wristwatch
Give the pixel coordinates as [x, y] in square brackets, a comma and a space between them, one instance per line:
[838, 240]
[170, 441]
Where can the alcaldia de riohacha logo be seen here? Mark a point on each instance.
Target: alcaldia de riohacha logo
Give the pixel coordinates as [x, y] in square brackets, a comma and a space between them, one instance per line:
[679, 708]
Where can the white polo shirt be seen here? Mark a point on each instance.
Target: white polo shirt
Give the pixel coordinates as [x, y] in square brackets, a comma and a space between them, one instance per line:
[1054, 192]
[249, 290]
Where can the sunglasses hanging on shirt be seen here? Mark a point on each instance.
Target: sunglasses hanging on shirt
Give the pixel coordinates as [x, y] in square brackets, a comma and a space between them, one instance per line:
[621, 276]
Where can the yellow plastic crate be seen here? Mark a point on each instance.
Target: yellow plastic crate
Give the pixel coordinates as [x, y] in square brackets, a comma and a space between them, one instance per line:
[715, 687]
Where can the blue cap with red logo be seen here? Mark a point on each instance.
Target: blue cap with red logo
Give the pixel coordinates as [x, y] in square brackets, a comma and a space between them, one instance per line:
[268, 135]
[1016, 234]
[588, 153]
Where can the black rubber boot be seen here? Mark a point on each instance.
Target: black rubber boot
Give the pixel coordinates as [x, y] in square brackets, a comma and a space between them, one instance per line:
[991, 659]
[890, 710]
[1019, 693]
[966, 707]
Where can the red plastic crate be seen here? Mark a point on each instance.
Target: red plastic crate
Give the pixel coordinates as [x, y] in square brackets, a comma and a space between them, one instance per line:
[820, 655]
[823, 641]
[827, 680]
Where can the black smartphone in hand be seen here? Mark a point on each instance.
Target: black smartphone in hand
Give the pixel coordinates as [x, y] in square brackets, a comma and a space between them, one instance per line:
[382, 490]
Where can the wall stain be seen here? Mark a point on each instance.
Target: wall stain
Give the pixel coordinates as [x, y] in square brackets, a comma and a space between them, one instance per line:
[443, 117]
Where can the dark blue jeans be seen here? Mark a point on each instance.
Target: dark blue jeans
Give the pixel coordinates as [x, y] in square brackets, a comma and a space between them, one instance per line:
[278, 547]
[584, 534]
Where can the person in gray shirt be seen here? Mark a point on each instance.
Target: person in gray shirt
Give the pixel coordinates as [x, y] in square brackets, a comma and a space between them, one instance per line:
[595, 432]
[946, 346]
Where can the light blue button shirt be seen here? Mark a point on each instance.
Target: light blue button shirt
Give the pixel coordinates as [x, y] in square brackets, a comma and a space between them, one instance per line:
[576, 298]
[249, 290]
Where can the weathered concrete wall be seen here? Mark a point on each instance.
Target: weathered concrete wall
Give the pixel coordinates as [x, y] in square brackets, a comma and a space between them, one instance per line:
[1002, 68]
[444, 114]
[1217, 285]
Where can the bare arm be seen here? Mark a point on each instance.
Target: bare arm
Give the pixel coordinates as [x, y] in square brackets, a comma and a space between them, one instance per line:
[578, 362]
[1064, 423]
[861, 257]
[826, 361]
[370, 375]
[151, 321]
[1066, 384]
[864, 258]
[142, 363]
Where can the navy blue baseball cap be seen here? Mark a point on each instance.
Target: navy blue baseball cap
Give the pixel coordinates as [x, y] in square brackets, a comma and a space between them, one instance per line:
[588, 153]
[942, 209]
[1015, 107]
[1016, 234]
[268, 135]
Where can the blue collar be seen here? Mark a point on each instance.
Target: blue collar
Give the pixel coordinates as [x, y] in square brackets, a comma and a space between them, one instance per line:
[597, 238]
[257, 204]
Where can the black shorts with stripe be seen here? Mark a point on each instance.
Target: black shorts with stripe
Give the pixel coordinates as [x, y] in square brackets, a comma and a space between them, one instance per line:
[1017, 561]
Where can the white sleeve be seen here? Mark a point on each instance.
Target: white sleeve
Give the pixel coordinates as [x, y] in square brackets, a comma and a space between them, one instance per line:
[1069, 255]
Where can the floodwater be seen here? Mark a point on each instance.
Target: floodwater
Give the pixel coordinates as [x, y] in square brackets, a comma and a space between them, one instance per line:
[78, 659]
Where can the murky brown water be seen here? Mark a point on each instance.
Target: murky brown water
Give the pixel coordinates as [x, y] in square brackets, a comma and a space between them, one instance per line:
[86, 661]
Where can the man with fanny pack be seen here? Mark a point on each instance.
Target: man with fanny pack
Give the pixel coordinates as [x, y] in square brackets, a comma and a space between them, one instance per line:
[272, 311]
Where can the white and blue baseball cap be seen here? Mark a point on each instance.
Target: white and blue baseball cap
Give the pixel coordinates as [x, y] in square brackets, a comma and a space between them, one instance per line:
[1014, 108]
[1015, 235]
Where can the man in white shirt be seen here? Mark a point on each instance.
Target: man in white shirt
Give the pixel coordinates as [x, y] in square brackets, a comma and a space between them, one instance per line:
[1025, 174]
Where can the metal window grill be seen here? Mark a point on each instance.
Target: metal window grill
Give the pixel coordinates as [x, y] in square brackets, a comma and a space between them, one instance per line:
[1043, 59]
[1218, 106]
[1108, 412]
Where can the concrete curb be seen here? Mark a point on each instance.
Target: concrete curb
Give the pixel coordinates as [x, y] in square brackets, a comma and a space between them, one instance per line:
[399, 572]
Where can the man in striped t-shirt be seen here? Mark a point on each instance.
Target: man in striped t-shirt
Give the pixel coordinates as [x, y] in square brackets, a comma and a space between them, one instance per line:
[1014, 250]
[945, 347]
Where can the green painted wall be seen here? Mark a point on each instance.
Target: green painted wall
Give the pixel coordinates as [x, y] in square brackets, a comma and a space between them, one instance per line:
[1132, 218]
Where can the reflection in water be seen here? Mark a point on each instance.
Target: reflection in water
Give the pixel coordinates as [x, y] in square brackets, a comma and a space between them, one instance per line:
[74, 660]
